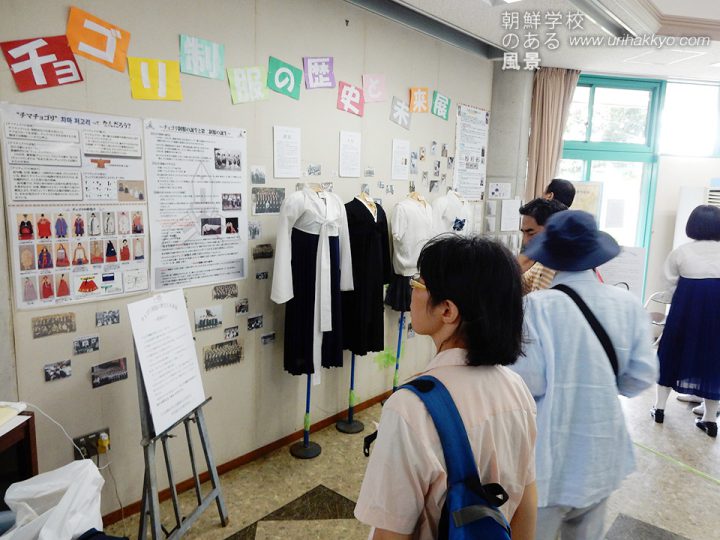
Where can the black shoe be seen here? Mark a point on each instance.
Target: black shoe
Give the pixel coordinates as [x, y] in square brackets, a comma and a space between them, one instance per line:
[708, 427]
[658, 415]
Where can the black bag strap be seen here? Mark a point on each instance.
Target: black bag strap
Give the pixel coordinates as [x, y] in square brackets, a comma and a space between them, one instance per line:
[594, 324]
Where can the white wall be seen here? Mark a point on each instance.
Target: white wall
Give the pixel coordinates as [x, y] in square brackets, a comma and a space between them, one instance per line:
[673, 173]
[255, 402]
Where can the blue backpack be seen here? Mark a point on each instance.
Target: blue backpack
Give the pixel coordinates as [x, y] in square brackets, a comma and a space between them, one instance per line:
[471, 508]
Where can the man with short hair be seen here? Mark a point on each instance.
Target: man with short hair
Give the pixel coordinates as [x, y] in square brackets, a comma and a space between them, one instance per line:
[560, 190]
[534, 215]
[583, 449]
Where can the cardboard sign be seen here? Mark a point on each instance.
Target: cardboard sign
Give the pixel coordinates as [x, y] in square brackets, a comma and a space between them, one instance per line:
[97, 40]
[41, 62]
[154, 79]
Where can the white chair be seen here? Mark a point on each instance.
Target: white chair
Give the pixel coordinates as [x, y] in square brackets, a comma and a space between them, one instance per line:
[658, 318]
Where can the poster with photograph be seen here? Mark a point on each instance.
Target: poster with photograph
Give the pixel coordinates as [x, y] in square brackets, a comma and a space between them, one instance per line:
[197, 175]
[109, 372]
[74, 182]
[470, 151]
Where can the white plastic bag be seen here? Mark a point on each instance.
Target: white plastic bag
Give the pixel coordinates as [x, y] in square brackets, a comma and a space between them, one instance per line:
[56, 505]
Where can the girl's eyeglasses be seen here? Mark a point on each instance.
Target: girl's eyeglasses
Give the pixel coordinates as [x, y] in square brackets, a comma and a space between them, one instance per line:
[415, 283]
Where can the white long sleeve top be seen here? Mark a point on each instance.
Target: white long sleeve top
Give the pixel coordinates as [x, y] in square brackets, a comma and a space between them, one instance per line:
[697, 260]
[412, 226]
[451, 213]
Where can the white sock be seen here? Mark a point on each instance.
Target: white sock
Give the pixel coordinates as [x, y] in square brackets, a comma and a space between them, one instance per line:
[661, 396]
[711, 407]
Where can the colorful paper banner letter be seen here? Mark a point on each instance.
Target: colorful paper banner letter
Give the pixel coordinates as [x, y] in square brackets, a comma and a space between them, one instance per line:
[350, 99]
[97, 40]
[202, 57]
[374, 87]
[154, 79]
[41, 62]
[419, 100]
[284, 78]
[440, 105]
[319, 72]
[247, 84]
[400, 112]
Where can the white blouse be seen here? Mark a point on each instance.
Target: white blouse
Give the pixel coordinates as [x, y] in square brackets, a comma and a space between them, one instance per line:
[697, 260]
[412, 227]
[322, 214]
[451, 213]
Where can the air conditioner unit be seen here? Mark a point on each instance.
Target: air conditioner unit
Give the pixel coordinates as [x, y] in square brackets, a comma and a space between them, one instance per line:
[691, 197]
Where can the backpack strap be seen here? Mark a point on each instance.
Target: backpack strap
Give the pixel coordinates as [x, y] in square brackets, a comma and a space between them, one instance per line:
[594, 324]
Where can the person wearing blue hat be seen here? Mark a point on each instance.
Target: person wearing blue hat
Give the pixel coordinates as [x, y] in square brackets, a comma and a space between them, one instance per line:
[587, 342]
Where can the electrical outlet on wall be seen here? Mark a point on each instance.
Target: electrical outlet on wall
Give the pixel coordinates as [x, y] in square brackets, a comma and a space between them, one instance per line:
[88, 443]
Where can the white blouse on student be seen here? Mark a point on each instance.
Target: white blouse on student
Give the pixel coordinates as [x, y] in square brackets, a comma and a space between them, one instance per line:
[412, 227]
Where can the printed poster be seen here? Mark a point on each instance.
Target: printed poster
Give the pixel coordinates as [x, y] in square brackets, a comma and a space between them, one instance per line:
[286, 152]
[350, 146]
[470, 151]
[400, 159]
[197, 178]
[76, 205]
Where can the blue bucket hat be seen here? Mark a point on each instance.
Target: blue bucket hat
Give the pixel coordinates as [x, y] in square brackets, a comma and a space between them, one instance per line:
[572, 242]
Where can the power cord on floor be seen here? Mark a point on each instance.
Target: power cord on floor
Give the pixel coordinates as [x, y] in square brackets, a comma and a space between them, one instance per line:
[80, 453]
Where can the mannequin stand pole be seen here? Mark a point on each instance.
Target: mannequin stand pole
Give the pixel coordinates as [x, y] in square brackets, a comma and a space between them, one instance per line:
[306, 449]
[396, 377]
[350, 425]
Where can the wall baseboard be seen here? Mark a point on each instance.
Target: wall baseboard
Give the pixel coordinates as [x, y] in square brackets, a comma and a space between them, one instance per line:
[134, 508]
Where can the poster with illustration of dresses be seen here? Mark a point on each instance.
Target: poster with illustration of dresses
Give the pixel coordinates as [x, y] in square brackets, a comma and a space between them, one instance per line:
[76, 205]
[197, 178]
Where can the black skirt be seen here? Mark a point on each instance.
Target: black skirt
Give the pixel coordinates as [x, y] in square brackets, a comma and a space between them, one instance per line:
[300, 310]
[399, 293]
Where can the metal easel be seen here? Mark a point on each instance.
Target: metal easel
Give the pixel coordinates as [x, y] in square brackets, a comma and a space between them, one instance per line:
[150, 506]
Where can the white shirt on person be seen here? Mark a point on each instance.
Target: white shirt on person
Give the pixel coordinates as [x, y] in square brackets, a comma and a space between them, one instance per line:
[697, 260]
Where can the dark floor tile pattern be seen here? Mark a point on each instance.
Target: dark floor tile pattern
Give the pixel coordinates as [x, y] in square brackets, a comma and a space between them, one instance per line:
[628, 528]
[318, 503]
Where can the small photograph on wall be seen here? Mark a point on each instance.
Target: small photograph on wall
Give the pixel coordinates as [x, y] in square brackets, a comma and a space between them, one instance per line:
[267, 201]
[208, 318]
[450, 163]
[255, 322]
[444, 151]
[222, 354]
[49, 325]
[131, 191]
[369, 172]
[231, 201]
[434, 186]
[263, 251]
[108, 372]
[413, 163]
[232, 332]
[86, 344]
[433, 148]
[267, 339]
[314, 169]
[421, 153]
[107, 318]
[262, 275]
[254, 230]
[257, 174]
[210, 226]
[242, 306]
[221, 292]
[57, 370]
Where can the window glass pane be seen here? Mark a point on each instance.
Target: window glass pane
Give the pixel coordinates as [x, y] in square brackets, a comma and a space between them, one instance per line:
[571, 169]
[621, 198]
[620, 115]
[576, 126]
[689, 122]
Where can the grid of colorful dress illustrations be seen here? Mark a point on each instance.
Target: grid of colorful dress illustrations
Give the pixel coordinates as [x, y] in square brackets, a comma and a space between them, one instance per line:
[66, 253]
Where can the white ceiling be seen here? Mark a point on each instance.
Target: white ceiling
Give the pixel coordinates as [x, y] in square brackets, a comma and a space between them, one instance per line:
[664, 17]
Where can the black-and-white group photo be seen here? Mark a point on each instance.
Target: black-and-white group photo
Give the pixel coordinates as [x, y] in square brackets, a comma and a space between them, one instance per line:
[232, 332]
[221, 292]
[106, 318]
[231, 201]
[57, 370]
[255, 322]
[266, 339]
[109, 372]
[208, 318]
[242, 306]
[227, 159]
[262, 251]
[49, 325]
[257, 175]
[254, 230]
[86, 344]
[267, 200]
[222, 354]
[261, 275]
